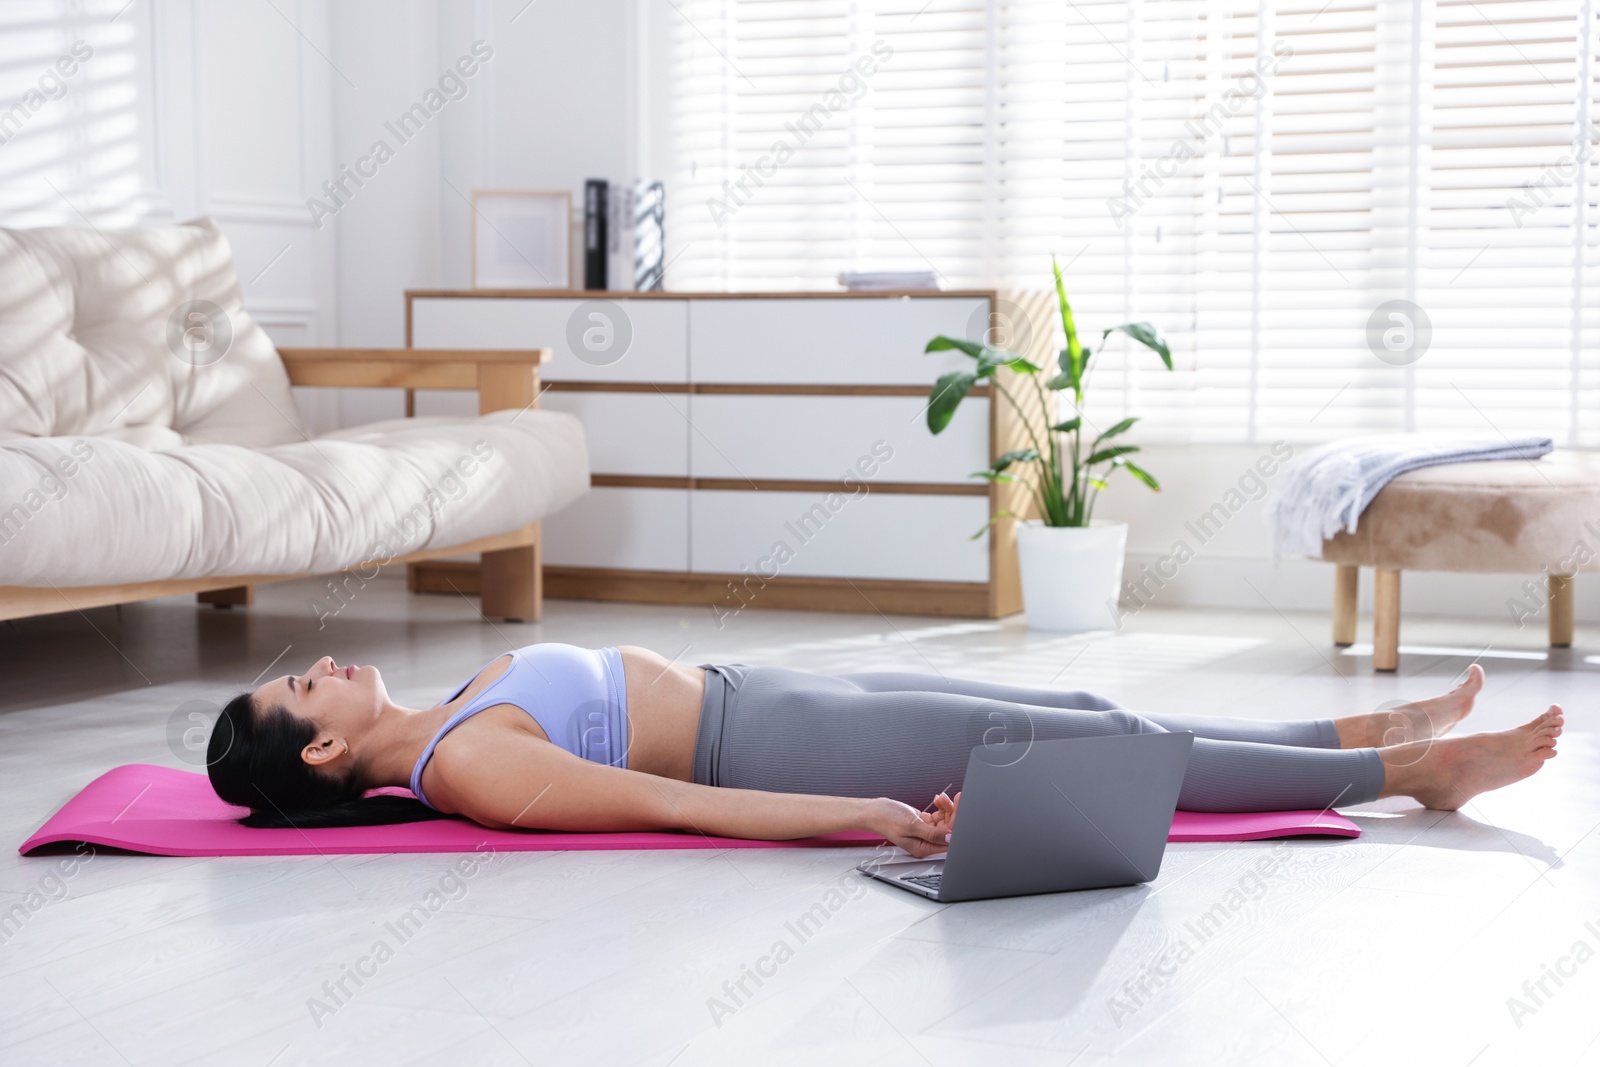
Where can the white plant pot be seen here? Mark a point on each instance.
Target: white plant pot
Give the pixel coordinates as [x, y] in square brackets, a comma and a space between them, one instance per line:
[1071, 575]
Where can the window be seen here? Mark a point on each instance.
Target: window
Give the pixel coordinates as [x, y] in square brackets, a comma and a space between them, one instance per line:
[1261, 179]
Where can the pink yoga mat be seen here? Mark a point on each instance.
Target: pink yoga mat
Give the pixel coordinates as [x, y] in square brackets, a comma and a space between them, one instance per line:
[167, 812]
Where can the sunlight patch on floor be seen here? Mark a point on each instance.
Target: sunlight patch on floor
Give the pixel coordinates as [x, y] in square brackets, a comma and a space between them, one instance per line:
[1017, 657]
[1489, 652]
[1085, 661]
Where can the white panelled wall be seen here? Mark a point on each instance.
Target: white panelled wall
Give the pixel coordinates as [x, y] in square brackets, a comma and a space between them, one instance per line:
[177, 109]
[243, 109]
[552, 106]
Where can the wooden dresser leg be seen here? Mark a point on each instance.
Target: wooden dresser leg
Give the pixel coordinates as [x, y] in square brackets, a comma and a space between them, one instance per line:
[512, 583]
[1560, 610]
[1386, 620]
[233, 596]
[1346, 595]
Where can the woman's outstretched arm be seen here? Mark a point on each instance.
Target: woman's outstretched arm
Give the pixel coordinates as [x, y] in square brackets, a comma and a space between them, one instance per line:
[524, 782]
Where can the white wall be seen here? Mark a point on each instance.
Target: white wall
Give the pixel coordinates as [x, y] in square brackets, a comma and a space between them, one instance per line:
[242, 109]
[185, 108]
[553, 106]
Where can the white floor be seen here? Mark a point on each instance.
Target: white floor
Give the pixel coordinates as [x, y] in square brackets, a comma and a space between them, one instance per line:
[1406, 946]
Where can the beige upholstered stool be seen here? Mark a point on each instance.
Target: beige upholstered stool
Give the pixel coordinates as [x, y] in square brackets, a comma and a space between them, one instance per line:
[1500, 517]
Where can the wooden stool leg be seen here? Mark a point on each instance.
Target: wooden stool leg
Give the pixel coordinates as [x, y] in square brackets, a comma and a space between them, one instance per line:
[1560, 610]
[233, 596]
[1346, 594]
[1386, 620]
[511, 583]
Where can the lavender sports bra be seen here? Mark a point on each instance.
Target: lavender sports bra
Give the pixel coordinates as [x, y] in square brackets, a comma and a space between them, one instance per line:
[576, 695]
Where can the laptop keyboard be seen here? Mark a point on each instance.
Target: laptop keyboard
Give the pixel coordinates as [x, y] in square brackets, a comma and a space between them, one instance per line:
[930, 882]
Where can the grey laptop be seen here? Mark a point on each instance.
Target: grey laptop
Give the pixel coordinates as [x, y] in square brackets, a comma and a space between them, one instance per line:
[1047, 816]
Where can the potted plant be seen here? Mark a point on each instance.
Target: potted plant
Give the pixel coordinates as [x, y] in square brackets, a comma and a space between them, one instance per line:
[1071, 565]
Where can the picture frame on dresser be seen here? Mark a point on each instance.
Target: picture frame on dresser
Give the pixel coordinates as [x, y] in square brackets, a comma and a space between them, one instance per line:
[521, 239]
[757, 450]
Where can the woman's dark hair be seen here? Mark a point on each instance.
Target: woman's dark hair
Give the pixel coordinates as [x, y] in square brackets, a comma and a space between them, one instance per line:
[254, 761]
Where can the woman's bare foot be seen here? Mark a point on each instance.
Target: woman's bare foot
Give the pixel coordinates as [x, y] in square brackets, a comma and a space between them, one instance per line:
[1447, 773]
[1416, 721]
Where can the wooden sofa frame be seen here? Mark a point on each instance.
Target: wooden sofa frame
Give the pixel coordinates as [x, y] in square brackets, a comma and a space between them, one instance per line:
[511, 586]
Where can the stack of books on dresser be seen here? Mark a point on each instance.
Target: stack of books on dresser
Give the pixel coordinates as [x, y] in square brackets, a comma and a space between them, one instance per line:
[876, 281]
[623, 235]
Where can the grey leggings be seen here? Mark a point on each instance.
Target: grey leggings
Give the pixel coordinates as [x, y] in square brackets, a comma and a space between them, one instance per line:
[907, 736]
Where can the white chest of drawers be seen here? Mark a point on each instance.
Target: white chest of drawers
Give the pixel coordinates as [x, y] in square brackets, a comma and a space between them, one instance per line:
[762, 450]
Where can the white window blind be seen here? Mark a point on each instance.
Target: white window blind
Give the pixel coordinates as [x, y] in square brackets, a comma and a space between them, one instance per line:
[1257, 177]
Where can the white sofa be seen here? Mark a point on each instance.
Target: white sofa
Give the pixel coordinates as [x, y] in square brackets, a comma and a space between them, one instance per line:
[151, 445]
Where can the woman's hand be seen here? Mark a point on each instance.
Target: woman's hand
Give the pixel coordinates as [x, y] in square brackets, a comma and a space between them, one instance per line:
[920, 834]
[944, 811]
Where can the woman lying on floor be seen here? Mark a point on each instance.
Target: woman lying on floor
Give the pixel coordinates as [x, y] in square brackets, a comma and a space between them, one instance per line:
[557, 737]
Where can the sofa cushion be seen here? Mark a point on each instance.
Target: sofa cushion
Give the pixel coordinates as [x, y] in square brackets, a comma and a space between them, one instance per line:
[310, 507]
[100, 335]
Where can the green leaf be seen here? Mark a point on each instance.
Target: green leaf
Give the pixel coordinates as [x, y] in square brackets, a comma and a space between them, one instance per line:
[1073, 353]
[990, 358]
[1143, 475]
[1098, 483]
[1073, 372]
[1147, 335]
[996, 517]
[1000, 357]
[1120, 427]
[991, 476]
[1068, 426]
[944, 344]
[948, 392]
[1016, 455]
[1106, 454]
[1059, 382]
